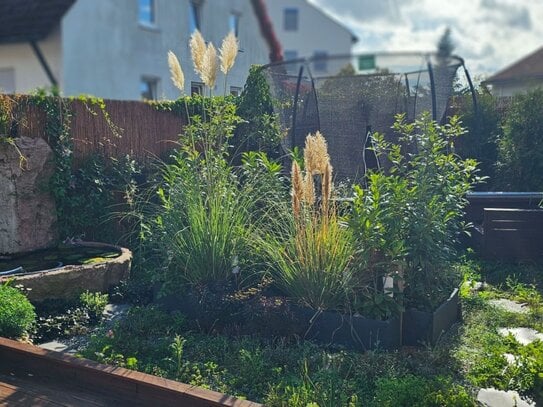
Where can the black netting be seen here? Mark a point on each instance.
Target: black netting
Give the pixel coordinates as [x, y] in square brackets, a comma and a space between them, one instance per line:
[348, 98]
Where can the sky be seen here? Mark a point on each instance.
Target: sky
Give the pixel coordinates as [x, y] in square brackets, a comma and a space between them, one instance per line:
[488, 34]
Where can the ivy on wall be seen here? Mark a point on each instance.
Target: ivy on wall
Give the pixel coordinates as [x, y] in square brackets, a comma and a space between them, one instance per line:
[85, 197]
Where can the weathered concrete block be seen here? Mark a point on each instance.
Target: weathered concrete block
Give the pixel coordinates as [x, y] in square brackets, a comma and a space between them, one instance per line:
[27, 208]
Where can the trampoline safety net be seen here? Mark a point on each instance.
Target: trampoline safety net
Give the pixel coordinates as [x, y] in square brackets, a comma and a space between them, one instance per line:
[349, 97]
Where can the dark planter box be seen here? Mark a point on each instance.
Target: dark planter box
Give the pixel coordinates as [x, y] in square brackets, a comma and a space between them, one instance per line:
[420, 327]
[351, 331]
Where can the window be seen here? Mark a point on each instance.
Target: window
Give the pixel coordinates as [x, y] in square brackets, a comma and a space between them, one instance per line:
[289, 54]
[290, 22]
[196, 88]
[233, 23]
[148, 88]
[195, 16]
[147, 12]
[320, 64]
[235, 90]
[7, 80]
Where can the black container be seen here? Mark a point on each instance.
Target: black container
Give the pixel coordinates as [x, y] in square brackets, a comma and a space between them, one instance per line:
[350, 331]
[421, 327]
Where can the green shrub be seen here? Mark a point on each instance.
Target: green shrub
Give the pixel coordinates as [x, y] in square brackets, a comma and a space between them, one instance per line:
[483, 125]
[520, 153]
[259, 129]
[409, 219]
[16, 313]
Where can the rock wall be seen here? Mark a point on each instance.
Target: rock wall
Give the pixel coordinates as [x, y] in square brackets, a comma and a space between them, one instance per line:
[27, 208]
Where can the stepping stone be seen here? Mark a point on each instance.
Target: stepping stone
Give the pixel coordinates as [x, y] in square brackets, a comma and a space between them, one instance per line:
[475, 285]
[524, 336]
[510, 306]
[113, 312]
[54, 346]
[499, 398]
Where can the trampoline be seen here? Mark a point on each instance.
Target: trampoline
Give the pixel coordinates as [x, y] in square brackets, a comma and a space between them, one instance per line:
[349, 97]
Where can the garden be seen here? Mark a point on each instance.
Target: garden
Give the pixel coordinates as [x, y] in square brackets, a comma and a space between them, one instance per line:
[259, 273]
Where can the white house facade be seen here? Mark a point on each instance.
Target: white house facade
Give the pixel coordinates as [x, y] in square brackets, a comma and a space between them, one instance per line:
[306, 31]
[117, 49]
[521, 76]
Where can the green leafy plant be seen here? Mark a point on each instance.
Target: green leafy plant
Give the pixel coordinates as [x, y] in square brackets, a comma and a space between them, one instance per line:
[520, 154]
[420, 392]
[483, 125]
[97, 190]
[95, 303]
[17, 314]
[410, 217]
[259, 129]
[9, 121]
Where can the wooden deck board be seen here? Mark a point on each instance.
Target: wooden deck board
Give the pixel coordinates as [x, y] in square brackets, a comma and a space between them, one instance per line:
[32, 376]
[35, 391]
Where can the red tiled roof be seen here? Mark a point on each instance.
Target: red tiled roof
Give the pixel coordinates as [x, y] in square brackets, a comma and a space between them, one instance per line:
[30, 20]
[529, 67]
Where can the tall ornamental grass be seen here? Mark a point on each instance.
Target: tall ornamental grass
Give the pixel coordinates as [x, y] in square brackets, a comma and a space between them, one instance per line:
[206, 220]
[205, 215]
[310, 252]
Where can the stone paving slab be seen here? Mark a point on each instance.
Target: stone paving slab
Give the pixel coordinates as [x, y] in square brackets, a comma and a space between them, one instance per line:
[510, 306]
[499, 398]
[524, 336]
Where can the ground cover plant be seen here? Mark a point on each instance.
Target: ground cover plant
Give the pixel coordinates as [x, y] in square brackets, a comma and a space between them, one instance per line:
[284, 371]
[493, 359]
[277, 372]
[17, 314]
[58, 319]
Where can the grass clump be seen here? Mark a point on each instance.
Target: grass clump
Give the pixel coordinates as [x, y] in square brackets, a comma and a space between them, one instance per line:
[17, 314]
[310, 252]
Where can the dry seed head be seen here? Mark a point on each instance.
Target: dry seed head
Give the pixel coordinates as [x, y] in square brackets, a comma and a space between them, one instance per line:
[210, 67]
[297, 188]
[309, 189]
[326, 188]
[197, 51]
[229, 52]
[178, 78]
[316, 154]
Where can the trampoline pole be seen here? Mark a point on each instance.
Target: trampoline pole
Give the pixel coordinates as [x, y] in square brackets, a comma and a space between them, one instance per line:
[407, 95]
[471, 88]
[316, 102]
[433, 88]
[295, 107]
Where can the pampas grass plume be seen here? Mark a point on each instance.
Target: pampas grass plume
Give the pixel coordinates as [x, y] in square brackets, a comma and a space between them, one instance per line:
[326, 188]
[197, 51]
[309, 189]
[210, 66]
[316, 156]
[228, 52]
[178, 78]
[297, 188]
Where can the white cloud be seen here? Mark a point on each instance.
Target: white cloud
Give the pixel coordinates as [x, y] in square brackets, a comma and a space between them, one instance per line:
[489, 34]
